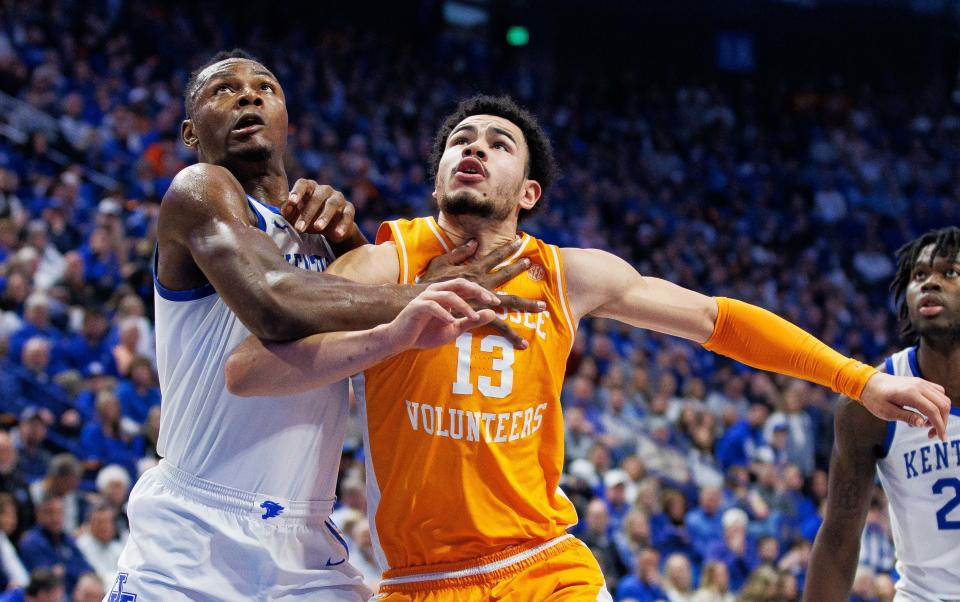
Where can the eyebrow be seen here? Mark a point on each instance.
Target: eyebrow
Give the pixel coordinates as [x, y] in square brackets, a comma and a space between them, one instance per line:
[473, 128]
[227, 72]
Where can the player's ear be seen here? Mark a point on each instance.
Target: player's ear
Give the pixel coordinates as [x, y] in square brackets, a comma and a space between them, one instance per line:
[187, 134]
[531, 194]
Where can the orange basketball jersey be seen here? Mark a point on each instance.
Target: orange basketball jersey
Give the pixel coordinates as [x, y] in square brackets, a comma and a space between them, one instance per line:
[465, 441]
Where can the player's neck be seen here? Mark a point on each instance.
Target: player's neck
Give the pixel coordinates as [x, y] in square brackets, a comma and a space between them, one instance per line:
[489, 234]
[939, 366]
[265, 181]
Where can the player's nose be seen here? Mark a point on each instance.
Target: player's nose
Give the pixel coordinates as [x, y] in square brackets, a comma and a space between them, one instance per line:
[474, 150]
[248, 96]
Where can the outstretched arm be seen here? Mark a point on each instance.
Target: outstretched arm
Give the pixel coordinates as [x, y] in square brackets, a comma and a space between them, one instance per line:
[604, 285]
[859, 437]
[259, 368]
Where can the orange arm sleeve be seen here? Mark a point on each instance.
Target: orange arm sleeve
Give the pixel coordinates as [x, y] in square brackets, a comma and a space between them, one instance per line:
[764, 340]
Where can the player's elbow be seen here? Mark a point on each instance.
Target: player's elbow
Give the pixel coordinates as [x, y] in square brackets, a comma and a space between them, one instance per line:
[238, 376]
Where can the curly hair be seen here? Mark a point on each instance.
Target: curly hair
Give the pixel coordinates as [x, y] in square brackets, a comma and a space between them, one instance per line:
[541, 165]
[946, 243]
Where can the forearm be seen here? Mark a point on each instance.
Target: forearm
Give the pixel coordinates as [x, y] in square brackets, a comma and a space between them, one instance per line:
[761, 339]
[833, 563]
[301, 303]
[258, 368]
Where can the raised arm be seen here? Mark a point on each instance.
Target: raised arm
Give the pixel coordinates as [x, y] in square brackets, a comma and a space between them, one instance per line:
[604, 285]
[858, 440]
[206, 234]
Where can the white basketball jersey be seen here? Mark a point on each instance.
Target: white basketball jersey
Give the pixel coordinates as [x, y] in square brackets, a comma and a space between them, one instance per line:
[921, 478]
[285, 446]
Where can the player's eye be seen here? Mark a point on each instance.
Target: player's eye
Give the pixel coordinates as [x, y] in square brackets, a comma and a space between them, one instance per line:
[266, 87]
[919, 275]
[952, 273]
[459, 140]
[500, 145]
[222, 88]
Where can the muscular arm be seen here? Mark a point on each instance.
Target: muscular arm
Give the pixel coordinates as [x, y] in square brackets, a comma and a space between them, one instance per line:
[603, 285]
[206, 234]
[859, 436]
[263, 368]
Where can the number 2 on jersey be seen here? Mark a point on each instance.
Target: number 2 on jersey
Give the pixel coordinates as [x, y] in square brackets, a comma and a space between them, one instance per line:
[502, 364]
[943, 523]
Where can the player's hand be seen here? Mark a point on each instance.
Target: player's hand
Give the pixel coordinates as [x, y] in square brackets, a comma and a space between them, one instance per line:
[460, 263]
[888, 397]
[319, 209]
[440, 314]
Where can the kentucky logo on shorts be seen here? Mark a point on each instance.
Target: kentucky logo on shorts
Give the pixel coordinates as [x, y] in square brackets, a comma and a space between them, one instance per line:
[117, 594]
[271, 509]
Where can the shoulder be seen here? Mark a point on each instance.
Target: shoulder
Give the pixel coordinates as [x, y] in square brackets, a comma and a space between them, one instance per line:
[202, 188]
[369, 264]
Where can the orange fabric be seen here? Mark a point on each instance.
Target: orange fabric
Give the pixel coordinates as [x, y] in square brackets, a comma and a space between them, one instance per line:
[567, 572]
[756, 337]
[466, 440]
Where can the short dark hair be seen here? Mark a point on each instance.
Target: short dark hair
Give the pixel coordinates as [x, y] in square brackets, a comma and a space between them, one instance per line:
[190, 90]
[541, 165]
[946, 243]
[42, 579]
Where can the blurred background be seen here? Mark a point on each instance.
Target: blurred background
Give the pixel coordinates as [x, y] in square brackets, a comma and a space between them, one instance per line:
[777, 151]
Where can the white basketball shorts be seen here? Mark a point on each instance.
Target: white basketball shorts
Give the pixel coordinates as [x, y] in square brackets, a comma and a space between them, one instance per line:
[195, 540]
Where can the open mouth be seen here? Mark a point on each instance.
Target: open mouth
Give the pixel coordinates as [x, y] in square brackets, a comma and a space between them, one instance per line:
[247, 124]
[930, 306]
[470, 169]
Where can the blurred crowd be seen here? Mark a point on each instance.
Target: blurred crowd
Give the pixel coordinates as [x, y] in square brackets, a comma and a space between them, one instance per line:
[695, 478]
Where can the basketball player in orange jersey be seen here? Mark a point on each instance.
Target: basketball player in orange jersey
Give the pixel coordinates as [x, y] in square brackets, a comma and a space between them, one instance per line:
[465, 441]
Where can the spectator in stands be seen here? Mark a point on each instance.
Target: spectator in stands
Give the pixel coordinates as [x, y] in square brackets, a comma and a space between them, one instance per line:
[361, 553]
[140, 392]
[596, 536]
[100, 543]
[49, 545]
[113, 487]
[669, 528]
[13, 482]
[740, 441]
[615, 483]
[644, 584]
[13, 570]
[705, 522]
[61, 481]
[89, 588]
[632, 537]
[90, 346]
[736, 550]
[33, 457]
[50, 261]
[678, 578]
[105, 441]
[73, 283]
[36, 316]
[44, 586]
[125, 350]
[714, 584]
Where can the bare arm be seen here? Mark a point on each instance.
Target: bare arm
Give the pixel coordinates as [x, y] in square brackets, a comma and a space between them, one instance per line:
[206, 234]
[602, 284]
[259, 368]
[859, 436]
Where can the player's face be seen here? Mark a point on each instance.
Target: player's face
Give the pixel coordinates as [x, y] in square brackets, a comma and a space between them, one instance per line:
[483, 170]
[239, 113]
[933, 296]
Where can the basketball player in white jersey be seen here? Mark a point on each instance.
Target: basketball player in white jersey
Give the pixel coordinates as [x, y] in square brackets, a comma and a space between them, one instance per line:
[921, 478]
[238, 507]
